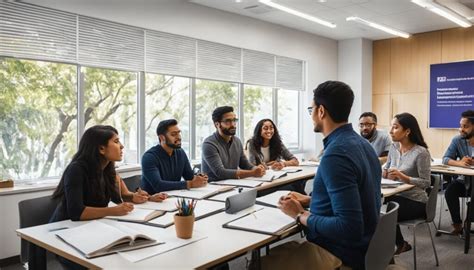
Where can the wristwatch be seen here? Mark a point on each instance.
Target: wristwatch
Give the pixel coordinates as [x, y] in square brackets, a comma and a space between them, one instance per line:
[298, 221]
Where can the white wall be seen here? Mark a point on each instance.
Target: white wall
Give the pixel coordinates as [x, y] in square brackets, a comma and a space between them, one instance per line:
[183, 18]
[355, 69]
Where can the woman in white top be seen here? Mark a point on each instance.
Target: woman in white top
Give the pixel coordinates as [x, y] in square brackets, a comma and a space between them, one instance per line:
[266, 147]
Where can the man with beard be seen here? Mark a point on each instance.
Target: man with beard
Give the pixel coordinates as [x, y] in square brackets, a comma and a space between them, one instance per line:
[163, 165]
[345, 203]
[379, 139]
[459, 153]
[222, 153]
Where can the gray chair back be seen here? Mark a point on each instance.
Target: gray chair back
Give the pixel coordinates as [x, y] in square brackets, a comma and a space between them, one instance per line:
[382, 245]
[34, 212]
[433, 198]
[132, 182]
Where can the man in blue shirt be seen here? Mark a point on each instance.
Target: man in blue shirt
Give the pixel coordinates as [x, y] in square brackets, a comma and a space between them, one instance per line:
[346, 197]
[163, 165]
[459, 153]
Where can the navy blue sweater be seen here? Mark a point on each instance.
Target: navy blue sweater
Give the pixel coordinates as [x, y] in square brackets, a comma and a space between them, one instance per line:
[162, 172]
[345, 202]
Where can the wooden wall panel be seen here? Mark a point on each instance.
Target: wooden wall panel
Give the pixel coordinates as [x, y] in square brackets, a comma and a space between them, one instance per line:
[406, 87]
[381, 67]
[382, 108]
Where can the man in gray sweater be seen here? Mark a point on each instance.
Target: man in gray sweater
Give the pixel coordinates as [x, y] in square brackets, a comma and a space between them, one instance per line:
[222, 153]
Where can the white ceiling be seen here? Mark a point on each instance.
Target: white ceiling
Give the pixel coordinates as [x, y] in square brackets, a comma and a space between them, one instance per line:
[399, 14]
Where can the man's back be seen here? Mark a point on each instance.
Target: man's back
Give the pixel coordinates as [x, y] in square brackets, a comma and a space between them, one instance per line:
[345, 202]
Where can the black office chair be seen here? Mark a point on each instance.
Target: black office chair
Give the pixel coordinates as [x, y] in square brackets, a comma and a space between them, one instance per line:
[34, 212]
[132, 182]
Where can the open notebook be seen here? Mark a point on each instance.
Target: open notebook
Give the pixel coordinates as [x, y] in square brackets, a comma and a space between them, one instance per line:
[266, 220]
[390, 183]
[199, 193]
[137, 214]
[97, 238]
[203, 209]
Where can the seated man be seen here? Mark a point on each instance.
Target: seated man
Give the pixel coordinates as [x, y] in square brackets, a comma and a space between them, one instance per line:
[345, 202]
[379, 139]
[163, 165]
[459, 153]
[222, 153]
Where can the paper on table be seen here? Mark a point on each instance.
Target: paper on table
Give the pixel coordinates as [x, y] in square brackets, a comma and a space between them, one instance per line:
[292, 169]
[268, 176]
[309, 163]
[171, 242]
[199, 193]
[223, 196]
[268, 220]
[203, 208]
[238, 182]
[272, 198]
[389, 182]
[166, 205]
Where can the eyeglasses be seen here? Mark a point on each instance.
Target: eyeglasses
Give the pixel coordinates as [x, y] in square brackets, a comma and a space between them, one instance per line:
[230, 121]
[310, 110]
[362, 125]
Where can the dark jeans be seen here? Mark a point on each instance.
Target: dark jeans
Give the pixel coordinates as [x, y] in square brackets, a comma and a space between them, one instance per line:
[69, 265]
[454, 190]
[36, 257]
[408, 210]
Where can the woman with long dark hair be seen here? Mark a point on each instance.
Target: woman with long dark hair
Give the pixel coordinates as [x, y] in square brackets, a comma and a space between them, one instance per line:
[266, 147]
[409, 162]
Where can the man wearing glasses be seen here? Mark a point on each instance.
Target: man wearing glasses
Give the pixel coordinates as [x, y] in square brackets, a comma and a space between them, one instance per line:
[379, 140]
[222, 153]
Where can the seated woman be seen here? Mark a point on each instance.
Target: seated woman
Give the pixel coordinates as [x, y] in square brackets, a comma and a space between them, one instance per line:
[408, 161]
[90, 182]
[266, 147]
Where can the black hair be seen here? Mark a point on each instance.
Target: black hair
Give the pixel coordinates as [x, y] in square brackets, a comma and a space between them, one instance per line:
[336, 97]
[164, 125]
[88, 154]
[408, 121]
[369, 114]
[219, 112]
[469, 115]
[276, 144]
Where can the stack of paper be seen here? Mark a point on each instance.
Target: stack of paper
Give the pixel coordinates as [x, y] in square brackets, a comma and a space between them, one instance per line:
[309, 163]
[388, 182]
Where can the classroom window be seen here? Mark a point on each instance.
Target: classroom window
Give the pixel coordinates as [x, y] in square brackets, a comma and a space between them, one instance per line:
[166, 97]
[110, 98]
[288, 117]
[257, 106]
[210, 95]
[38, 108]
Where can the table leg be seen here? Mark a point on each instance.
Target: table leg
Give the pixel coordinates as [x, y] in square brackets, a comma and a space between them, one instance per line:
[469, 216]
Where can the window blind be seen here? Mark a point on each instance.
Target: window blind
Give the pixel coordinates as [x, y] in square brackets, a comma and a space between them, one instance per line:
[218, 62]
[289, 73]
[258, 68]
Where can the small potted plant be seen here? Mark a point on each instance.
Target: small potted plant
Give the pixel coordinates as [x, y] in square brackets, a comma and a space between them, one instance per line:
[184, 218]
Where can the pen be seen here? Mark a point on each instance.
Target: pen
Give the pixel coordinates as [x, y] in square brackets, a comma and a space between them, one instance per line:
[58, 229]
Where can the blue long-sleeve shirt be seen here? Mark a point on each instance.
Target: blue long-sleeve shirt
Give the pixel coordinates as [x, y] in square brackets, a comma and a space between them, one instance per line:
[458, 148]
[162, 172]
[346, 198]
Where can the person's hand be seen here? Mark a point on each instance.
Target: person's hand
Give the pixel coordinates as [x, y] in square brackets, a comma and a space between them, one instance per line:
[290, 207]
[465, 161]
[394, 174]
[259, 171]
[385, 173]
[304, 200]
[277, 165]
[140, 196]
[158, 197]
[121, 209]
[198, 180]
